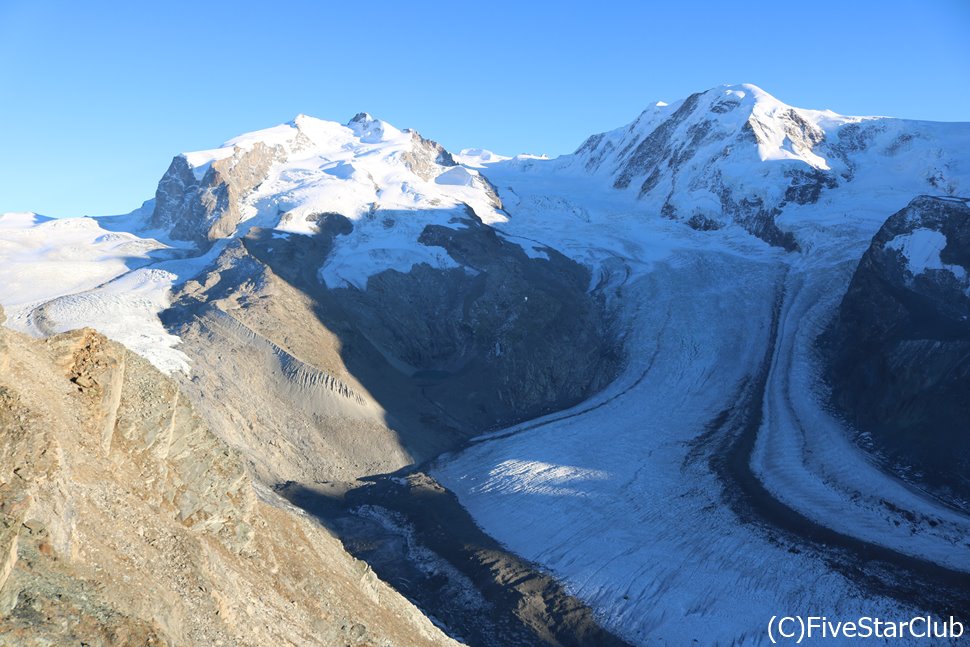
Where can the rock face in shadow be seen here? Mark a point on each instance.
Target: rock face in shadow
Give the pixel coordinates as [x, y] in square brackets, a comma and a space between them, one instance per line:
[900, 345]
[503, 337]
[125, 521]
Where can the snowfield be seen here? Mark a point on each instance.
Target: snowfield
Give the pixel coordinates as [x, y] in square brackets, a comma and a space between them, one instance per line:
[43, 258]
[111, 274]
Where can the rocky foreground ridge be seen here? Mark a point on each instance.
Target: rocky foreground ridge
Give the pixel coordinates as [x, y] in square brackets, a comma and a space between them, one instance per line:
[124, 521]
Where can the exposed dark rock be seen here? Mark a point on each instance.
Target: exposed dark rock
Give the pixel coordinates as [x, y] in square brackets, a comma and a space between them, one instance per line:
[505, 337]
[651, 182]
[853, 138]
[725, 105]
[900, 348]
[804, 136]
[589, 147]
[668, 210]
[701, 222]
[175, 190]
[753, 214]
[899, 143]
[806, 185]
[331, 224]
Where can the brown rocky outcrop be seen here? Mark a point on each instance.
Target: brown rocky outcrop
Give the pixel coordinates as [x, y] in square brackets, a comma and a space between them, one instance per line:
[204, 210]
[124, 521]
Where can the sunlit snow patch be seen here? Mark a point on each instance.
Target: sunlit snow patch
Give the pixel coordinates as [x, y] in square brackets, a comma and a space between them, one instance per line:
[922, 249]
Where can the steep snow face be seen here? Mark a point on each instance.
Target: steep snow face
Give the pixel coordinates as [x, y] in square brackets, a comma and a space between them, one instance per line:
[735, 154]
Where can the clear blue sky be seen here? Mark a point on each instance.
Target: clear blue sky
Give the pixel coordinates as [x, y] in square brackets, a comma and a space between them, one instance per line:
[96, 97]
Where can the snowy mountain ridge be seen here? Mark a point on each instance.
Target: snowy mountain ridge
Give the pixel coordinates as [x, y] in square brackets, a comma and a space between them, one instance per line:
[310, 164]
[736, 154]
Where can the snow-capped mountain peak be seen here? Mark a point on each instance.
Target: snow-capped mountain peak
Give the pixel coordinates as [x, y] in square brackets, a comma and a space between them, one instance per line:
[735, 154]
[282, 176]
[738, 114]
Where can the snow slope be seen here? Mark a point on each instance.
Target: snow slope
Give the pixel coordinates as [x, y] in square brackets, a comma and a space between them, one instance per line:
[43, 258]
